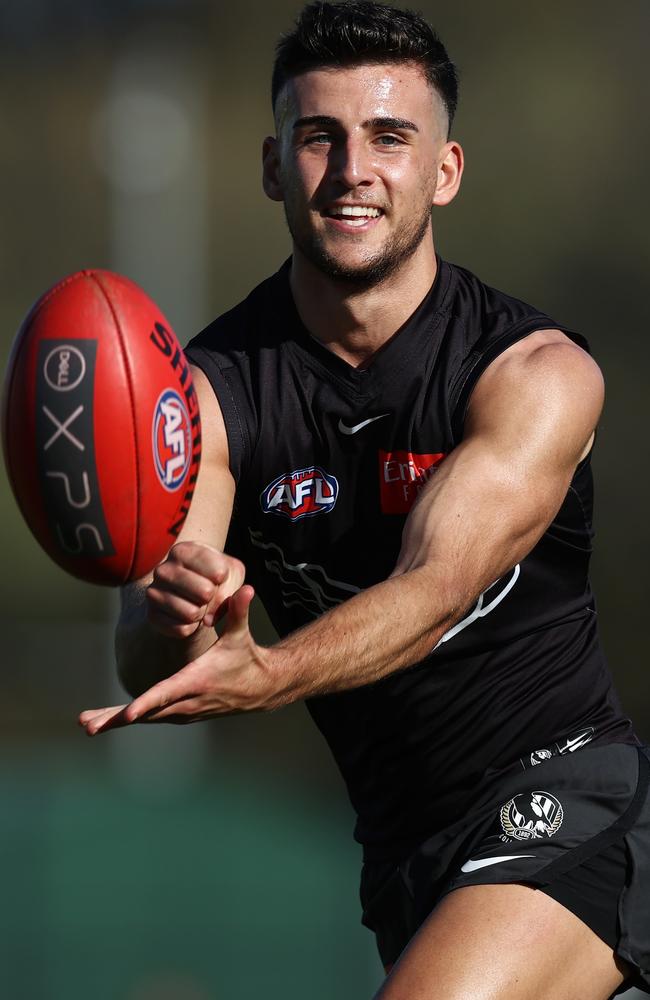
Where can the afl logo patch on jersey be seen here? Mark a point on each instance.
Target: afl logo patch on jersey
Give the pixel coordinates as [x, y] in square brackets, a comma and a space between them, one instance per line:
[171, 439]
[531, 816]
[301, 493]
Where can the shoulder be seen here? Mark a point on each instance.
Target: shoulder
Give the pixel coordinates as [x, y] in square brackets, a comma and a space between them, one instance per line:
[545, 384]
[548, 360]
[493, 329]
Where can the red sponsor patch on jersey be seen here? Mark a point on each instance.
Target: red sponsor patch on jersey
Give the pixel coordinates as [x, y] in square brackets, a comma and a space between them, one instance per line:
[402, 474]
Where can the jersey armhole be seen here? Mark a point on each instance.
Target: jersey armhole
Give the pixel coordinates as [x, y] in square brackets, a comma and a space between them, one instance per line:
[481, 358]
[220, 379]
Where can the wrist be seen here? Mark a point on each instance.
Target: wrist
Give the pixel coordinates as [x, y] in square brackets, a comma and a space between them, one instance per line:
[281, 681]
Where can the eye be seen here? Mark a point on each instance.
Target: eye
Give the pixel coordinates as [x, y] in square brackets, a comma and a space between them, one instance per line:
[318, 139]
[389, 140]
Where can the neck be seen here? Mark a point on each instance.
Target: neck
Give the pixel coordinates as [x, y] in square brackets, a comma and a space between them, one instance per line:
[354, 323]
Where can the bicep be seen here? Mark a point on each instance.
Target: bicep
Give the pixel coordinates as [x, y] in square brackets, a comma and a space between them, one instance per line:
[210, 511]
[530, 420]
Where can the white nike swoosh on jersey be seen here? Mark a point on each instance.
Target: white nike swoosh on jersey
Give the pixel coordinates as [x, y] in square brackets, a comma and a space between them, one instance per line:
[473, 866]
[357, 427]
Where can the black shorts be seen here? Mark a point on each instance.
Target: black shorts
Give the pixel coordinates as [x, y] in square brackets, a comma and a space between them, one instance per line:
[576, 827]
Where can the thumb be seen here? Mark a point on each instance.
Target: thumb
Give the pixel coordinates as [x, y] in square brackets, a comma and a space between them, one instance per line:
[216, 608]
[237, 626]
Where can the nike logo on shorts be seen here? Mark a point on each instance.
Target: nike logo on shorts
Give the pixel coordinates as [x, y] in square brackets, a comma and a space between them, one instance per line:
[473, 866]
[344, 429]
[577, 741]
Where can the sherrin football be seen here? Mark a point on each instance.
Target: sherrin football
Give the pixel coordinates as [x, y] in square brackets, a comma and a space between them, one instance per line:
[100, 427]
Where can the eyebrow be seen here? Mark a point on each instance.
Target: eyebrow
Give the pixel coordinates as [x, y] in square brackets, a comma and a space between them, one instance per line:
[328, 121]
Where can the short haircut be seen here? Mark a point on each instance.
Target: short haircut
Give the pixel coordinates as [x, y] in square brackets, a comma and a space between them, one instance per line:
[359, 31]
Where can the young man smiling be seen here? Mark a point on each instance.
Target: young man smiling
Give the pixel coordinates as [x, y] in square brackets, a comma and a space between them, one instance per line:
[401, 457]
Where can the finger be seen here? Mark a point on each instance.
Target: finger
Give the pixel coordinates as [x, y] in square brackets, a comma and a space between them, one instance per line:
[180, 712]
[89, 714]
[203, 559]
[100, 720]
[172, 628]
[216, 612]
[173, 577]
[237, 626]
[173, 689]
[169, 614]
[217, 605]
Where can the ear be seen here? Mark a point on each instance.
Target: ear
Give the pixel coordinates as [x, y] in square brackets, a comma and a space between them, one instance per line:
[450, 171]
[271, 169]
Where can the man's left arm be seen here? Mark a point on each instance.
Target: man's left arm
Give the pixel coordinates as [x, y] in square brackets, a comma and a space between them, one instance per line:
[530, 421]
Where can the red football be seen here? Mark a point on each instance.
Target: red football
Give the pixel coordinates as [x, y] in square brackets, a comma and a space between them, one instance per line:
[100, 427]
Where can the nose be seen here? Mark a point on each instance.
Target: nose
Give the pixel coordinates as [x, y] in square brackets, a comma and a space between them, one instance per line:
[351, 163]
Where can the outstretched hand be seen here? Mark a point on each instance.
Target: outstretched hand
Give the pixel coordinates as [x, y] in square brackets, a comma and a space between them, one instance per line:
[233, 676]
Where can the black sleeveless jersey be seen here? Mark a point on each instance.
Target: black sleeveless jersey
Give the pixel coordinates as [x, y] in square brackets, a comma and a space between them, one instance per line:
[328, 461]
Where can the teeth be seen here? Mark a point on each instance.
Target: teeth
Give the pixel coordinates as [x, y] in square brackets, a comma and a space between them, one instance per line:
[355, 210]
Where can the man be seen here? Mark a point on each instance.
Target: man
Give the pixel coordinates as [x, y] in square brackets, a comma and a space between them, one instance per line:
[401, 457]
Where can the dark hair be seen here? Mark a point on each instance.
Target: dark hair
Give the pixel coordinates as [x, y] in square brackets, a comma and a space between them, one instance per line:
[359, 31]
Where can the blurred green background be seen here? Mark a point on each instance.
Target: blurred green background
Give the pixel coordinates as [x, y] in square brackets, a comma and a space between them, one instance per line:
[217, 861]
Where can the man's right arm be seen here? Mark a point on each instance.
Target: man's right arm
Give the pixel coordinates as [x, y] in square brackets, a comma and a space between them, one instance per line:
[167, 618]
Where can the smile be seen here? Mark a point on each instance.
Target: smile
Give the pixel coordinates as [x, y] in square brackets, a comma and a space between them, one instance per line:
[354, 216]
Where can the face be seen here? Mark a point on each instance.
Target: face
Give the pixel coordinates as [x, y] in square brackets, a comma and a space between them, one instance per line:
[359, 161]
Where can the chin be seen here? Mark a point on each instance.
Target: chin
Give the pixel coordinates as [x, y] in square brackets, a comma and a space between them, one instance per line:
[361, 273]
[367, 266]
[353, 269]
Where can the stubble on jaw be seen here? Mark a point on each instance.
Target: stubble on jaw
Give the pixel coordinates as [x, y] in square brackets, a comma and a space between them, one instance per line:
[376, 268]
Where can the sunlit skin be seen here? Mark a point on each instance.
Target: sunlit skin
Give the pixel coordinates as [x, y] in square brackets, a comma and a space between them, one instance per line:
[370, 136]
[376, 135]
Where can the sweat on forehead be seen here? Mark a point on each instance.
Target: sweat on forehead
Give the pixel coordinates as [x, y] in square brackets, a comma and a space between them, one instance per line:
[306, 93]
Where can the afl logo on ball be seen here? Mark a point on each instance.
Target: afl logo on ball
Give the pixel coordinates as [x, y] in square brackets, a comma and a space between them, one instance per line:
[301, 493]
[172, 445]
[532, 815]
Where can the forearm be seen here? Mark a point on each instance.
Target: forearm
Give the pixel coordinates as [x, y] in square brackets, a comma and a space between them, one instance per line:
[143, 655]
[161, 621]
[388, 627]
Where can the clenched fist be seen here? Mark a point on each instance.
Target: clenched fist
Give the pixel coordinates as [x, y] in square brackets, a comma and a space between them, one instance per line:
[191, 588]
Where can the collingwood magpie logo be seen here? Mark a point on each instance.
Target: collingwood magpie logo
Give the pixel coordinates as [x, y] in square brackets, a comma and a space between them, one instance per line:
[531, 816]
